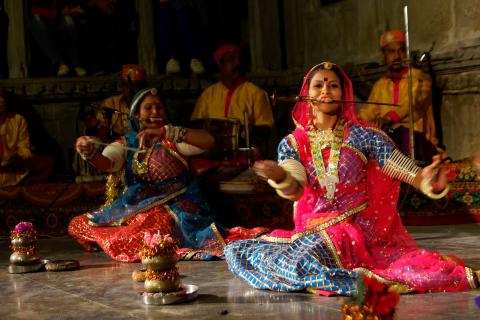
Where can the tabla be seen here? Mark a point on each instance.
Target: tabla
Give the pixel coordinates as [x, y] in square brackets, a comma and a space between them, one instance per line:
[226, 133]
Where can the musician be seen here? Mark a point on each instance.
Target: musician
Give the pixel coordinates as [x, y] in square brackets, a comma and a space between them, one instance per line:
[234, 95]
[132, 79]
[393, 88]
[21, 160]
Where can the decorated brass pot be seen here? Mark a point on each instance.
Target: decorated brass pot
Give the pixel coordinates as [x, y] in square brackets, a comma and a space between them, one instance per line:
[166, 285]
[160, 262]
[21, 259]
[22, 242]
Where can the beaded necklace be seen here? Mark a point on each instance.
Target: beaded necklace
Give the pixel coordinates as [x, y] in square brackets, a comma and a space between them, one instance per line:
[319, 140]
[141, 167]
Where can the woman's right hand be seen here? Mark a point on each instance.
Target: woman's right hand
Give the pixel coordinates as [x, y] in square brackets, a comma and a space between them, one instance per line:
[86, 146]
[269, 169]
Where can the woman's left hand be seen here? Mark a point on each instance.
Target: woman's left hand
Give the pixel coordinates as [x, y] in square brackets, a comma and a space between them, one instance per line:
[437, 174]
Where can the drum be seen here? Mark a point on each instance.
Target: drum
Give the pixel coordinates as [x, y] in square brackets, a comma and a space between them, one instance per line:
[226, 133]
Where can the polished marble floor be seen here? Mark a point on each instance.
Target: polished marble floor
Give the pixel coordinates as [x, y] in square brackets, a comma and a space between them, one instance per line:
[103, 289]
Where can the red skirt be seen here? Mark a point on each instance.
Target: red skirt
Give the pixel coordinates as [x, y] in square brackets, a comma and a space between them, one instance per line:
[122, 243]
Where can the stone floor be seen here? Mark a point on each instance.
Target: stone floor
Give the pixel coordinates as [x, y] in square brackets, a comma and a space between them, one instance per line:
[103, 288]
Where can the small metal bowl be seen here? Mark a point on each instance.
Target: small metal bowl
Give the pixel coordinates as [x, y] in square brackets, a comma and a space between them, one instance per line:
[188, 292]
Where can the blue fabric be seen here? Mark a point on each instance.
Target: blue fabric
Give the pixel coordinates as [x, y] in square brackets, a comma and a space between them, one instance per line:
[304, 263]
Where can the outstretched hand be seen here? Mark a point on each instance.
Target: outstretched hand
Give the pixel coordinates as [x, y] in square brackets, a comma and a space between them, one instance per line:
[86, 144]
[268, 169]
[436, 173]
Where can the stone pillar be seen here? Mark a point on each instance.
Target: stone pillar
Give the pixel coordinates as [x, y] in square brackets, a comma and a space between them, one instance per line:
[264, 30]
[294, 34]
[147, 52]
[16, 51]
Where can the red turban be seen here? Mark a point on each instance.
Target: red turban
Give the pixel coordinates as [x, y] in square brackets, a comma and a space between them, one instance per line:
[392, 36]
[223, 50]
[134, 72]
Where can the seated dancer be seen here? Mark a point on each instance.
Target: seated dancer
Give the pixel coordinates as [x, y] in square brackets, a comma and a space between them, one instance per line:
[344, 177]
[160, 193]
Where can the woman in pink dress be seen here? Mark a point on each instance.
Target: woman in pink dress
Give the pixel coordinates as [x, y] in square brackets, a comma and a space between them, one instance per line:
[344, 177]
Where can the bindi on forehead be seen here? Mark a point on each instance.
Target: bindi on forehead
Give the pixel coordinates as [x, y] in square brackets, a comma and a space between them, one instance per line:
[325, 79]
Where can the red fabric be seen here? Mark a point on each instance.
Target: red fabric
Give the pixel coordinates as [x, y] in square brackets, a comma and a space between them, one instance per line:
[46, 12]
[396, 83]
[133, 72]
[394, 116]
[396, 90]
[122, 243]
[223, 50]
[228, 100]
[392, 36]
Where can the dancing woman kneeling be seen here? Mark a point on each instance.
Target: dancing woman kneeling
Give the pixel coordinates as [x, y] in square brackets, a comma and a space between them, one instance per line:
[160, 192]
[344, 177]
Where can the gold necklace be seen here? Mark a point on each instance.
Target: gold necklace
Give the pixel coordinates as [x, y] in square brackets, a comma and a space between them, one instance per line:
[319, 140]
[141, 167]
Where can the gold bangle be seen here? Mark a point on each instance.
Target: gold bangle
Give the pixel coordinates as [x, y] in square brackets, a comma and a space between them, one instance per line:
[285, 183]
[426, 188]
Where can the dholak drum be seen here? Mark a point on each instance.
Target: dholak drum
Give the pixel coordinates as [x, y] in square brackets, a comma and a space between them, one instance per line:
[424, 149]
[226, 132]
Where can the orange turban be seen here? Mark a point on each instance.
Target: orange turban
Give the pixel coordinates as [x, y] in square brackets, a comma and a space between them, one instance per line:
[134, 72]
[392, 36]
[223, 50]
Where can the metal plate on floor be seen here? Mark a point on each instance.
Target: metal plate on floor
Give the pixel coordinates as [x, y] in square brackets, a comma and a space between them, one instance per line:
[61, 265]
[187, 293]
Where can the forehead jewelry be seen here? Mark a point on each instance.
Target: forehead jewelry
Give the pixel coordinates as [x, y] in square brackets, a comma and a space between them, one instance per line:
[327, 65]
[325, 79]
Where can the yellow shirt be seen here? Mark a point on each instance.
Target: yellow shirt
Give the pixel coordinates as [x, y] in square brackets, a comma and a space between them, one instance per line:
[386, 90]
[217, 101]
[14, 144]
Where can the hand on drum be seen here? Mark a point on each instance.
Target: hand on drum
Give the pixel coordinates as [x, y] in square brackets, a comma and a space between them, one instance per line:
[436, 173]
[268, 169]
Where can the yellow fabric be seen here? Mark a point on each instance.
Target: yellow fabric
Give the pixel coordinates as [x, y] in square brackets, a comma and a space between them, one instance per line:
[14, 144]
[422, 103]
[246, 97]
[119, 121]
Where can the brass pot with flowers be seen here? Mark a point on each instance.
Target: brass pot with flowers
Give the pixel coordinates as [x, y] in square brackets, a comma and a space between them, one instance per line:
[159, 257]
[23, 242]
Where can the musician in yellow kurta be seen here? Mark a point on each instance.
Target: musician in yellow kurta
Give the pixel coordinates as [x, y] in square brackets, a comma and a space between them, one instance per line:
[393, 88]
[14, 145]
[218, 101]
[234, 96]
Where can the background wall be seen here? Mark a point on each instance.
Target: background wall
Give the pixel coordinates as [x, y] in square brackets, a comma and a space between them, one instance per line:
[348, 31]
[287, 37]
